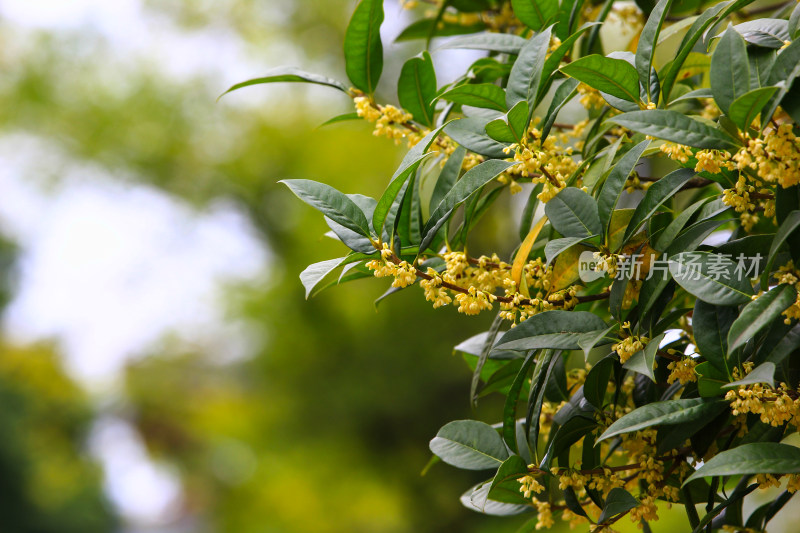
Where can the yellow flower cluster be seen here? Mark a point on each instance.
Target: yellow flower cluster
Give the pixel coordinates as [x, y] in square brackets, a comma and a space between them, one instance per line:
[713, 161]
[788, 275]
[544, 162]
[544, 519]
[630, 344]
[677, 152]
[682, 371]
[775, 157]
[404, 273]
[529, 485]
[590, 97]
[389, 120]
[774, 406]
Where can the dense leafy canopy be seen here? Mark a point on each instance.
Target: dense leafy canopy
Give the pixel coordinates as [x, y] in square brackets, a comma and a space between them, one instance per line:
[645, 319]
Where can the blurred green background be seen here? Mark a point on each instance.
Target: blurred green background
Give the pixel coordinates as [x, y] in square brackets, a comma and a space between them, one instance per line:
[320, 422]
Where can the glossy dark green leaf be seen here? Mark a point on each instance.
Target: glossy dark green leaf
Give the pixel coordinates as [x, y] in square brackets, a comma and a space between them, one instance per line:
[615, 183]
[484, 95]
[676, 127]
[666, 237]
[710, 380]
[794, 22]
[416, 88]
[689, 239]
[573, 213]
[746, 107]
[763, 373]
[526, 74]
[597, 380]
[643, 361]
[332, 203]
[551, 329]
[512, 127]
[645, 49]
[510, 405]
[755, 458]
[613, 76]
[667, 413]
[505, 487]
[363, 50]
[535, 13]
[477, 499]
[484, 356]
[448, 177]
[658, 193]
[785, 230]
[588, 341]
[565, 92]
[471, 134]
[788, 344]
[711, 325]
[387, 203]
[767, 32]
[556, 246]
[470, 445]
[759, 314]
[469, 183]
[618, 501]
[289, 74]
[784, 71]
[730, 70]
[554, 58]
[711, 277]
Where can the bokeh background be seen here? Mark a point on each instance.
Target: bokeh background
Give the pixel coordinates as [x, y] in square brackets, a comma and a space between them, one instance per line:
[160, 368]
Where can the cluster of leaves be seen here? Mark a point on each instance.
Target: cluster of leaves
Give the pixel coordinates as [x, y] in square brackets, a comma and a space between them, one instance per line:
[650, 384]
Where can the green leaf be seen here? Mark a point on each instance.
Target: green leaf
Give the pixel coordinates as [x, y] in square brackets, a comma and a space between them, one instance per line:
[471, 134]
[658, 193]
[511, 127]
[493, 42]
[472, 181]
[587, 341]
[510, 405]
[618, 501]
[767, 32]
[289, 74]
[783, 72]
[667, 413]
[408, 166]
[794, 22]
[763, 373]
[424, 28]
[535, 13]
[505, 487]
[573, 213]
[596, 384]
[615, 183]
[730, 70]
[484, 95]
[711, 326]
[676, 127]
[710, 380]
[698, 29]
[554, 247]
[790, 224]
[526, 74]
[759, 314]
[645, 49]
[332, 203]
[565, 92]
[470, 445]
[448, 177]
[666, 237]
[487, 347]
[551, 329]
[554, 58]
[616, 77]
[363, 50]
[710, 277]
[477, 499]
[340, 118]
[755, 458]
[746, 108]
[788, 344]
[416, 88]
[316, 272]
[644, 361]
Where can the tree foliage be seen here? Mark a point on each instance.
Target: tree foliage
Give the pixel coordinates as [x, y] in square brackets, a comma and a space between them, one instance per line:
[645, 339]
